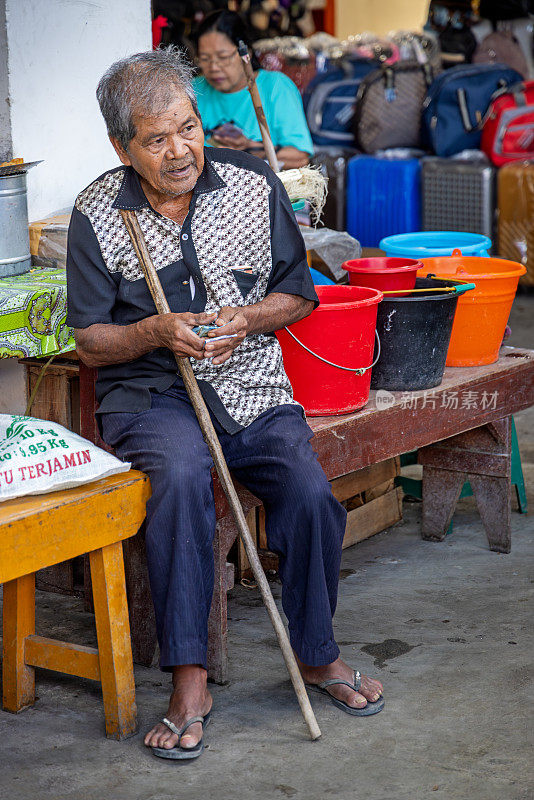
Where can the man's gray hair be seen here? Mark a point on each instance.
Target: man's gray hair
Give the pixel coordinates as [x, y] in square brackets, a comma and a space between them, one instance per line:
[142, 84]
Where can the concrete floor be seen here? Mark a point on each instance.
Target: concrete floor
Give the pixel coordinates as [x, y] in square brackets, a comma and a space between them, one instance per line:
[447, 627]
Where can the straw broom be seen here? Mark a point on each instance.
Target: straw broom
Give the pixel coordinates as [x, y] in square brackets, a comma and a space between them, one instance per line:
[304, 183]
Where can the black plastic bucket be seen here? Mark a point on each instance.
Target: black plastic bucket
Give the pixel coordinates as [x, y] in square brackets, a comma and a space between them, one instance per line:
[414, 333]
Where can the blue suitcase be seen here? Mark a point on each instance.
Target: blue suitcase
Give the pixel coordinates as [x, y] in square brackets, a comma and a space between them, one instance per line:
[383, 197]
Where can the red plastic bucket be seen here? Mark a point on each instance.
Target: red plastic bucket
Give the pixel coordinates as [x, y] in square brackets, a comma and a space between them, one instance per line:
[384, 274]
[342, 331]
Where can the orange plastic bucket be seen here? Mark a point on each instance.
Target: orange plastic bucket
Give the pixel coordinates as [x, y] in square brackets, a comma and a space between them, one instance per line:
[482, 314]
[325, 353]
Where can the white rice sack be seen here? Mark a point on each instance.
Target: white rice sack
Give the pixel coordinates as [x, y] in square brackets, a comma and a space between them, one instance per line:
[37, 456]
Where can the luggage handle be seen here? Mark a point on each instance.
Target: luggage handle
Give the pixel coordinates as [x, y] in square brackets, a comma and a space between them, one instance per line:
[518, 91]
[389, 78]
[357, 370]
[389, 88]
[429, 73]
[504, 88]
[464, 111]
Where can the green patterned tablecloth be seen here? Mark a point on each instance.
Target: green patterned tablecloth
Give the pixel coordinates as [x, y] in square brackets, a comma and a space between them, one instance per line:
[33, 308]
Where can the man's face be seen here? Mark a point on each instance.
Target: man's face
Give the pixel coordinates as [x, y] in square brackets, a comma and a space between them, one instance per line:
[168, 148]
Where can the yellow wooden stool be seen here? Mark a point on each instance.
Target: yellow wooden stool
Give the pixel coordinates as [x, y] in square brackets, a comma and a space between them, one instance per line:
[42, 530]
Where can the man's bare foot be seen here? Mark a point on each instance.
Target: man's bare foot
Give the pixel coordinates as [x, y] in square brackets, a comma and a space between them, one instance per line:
[190, 698]
[369, 690]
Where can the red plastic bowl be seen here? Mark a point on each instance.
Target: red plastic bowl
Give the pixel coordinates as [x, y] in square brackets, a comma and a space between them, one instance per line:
[384, 274]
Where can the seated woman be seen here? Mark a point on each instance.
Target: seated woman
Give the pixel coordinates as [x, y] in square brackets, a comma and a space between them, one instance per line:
[226, 106]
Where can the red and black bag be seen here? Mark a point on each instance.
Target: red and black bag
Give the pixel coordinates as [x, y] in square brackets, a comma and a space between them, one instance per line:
[508, 131]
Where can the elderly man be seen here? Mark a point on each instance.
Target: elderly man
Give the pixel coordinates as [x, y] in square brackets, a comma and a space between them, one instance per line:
[222, 235]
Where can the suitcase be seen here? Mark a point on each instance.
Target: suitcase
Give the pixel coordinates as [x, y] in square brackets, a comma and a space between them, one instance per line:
[383, 197]
[332, 162]
[458, 195]
[515, 195]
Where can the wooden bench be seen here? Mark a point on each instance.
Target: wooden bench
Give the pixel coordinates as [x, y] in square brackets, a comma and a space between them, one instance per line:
[38, 531]
[462, 432]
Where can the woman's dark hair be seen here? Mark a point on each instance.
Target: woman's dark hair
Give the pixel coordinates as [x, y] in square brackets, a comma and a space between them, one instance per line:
[233, 27]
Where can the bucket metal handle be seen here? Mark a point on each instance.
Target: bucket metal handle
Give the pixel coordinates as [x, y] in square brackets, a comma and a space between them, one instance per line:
[357, 370]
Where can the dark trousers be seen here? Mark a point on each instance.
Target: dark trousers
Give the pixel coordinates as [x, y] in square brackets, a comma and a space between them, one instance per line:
[305, 524]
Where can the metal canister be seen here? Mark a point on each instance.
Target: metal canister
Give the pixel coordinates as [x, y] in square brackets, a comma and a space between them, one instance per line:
[15, 258]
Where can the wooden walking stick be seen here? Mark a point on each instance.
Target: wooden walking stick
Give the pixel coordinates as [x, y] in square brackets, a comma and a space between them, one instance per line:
[206, 425]
[258, 107]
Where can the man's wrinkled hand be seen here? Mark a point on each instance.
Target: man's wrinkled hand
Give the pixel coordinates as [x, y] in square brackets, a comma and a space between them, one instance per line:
[231, 322]
[175, 332]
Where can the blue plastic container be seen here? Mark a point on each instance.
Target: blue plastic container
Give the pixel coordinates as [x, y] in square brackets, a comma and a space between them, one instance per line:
[383, 197]
[425, 244]
[319, 279]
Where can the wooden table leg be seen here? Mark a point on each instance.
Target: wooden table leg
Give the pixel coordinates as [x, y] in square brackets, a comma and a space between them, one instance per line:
[225, 536]
[18, 623]
[483, 457]
[142, 616]
[114, 648]
[493, 496]
[441, 492]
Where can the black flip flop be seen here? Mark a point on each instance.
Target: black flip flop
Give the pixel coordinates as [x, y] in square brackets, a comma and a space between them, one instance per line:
[367, 711]
[178, 753]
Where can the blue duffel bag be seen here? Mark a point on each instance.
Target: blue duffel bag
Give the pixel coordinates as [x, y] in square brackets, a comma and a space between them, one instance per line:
[456, 102]
[329, 102]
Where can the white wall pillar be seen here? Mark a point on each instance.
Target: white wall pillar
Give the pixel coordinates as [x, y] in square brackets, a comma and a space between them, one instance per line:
[5, 116]
[52, 55]
[57, 52]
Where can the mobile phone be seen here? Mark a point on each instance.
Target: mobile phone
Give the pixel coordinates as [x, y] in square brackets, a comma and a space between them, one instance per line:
[228, 129]
[203, 330]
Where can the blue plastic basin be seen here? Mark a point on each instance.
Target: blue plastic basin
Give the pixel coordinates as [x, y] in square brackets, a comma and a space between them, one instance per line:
[319, 279]
[425, 244]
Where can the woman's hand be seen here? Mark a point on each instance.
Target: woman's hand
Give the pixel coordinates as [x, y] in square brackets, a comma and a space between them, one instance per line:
[240, 142]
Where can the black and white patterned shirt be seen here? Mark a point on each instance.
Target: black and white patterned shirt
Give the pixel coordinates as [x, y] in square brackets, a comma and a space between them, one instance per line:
[240, 218]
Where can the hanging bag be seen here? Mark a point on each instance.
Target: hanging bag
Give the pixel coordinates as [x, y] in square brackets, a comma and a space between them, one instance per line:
[501, 47]
[389, 105]
[508, 131]
[457, 102]
[329, 102]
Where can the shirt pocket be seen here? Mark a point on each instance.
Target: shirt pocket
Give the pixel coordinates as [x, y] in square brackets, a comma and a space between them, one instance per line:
[135, 301]
[246, 281]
